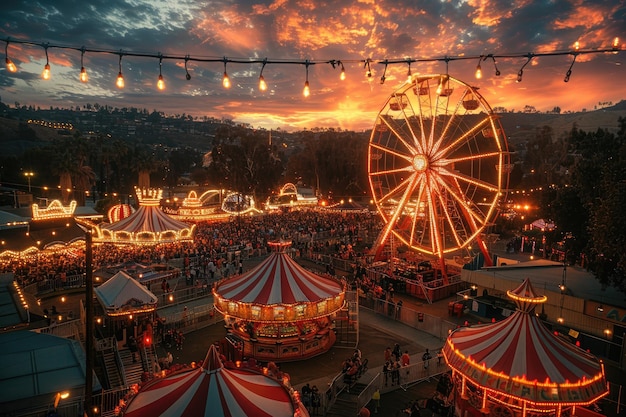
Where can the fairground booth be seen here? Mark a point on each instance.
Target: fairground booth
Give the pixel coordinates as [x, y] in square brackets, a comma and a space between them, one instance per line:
[279, 311]
[517, 367]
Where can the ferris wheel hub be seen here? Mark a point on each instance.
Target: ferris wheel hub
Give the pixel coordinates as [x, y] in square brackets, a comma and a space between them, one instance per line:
[420, 163]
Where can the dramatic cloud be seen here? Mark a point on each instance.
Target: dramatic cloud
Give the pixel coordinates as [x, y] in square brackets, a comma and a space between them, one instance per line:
[297, 30]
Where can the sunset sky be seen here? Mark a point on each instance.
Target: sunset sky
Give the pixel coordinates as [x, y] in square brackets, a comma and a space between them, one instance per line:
[298, 30]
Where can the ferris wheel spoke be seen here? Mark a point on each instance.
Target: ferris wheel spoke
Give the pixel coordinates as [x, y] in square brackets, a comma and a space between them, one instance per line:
[384, 198]
[435, 233]
[470, 180]
[450, 122]
[455, 233]
[462, 202]
[451, 161]
[460, 140]
[418, 202]
[393, 171]
[390, 151]
[400, 207]
[398, 135]
[417, 143]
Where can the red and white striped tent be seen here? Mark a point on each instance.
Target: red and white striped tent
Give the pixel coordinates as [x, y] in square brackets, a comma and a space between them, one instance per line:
[148, 225]
[215, 391]
[520, 361]
[279, 281]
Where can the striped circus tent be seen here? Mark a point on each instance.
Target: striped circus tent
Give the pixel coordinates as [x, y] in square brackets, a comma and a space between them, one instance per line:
[521, 363]
[213, 390]
[148, 225]
[279, 281]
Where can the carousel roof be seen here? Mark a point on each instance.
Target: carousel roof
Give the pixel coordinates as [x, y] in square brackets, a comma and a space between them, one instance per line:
[122, 294]
[146, 219]
[149, 224]
[519, 356]
[278, 280]
[213, 390]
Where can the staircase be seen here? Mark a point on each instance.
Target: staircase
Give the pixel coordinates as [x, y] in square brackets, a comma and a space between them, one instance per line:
[113, 374]
[346, 402]
[132, 370]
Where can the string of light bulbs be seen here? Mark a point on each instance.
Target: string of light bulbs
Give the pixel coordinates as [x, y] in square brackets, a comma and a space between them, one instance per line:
[334, 63]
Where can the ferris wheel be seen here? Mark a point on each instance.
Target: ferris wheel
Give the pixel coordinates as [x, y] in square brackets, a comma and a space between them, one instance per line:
[438, 165]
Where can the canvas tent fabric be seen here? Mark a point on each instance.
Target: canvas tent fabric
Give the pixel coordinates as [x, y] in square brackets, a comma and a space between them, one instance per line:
[215, 391]
[523, 356]
[122, 293]
[278, 280]
[147, 224]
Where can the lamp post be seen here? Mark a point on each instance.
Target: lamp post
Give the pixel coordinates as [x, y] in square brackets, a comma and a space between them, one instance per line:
[28, 175]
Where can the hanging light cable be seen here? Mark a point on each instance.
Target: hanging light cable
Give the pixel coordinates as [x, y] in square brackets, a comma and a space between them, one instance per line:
[119, 82]
[160, 81]
[225, 78]
[46, 69]
[408, 74]
[306, 91]
[187, 75]
[368, 73]
[520, 73]
[569, 70]
[495, 66]
[10, 65]
[83, 77]
[479, 71]
[262, 83]
[384, 77]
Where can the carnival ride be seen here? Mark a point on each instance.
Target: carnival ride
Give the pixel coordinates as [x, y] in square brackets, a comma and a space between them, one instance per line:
[217, 389]
[290, 196]
[148, 225]
[279, 311]
[438, 166]
[518, 367]
[213, 205]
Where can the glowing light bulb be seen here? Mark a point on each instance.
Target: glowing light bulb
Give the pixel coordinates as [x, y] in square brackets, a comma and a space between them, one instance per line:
[83, 75]
[342, 76]
[161, 83]
[10, 65]
[479, 72]
[226, 80]
[307, 91]
[576, 45]
[262, 83]
[120, 80]
[615, 45]
[46, 72]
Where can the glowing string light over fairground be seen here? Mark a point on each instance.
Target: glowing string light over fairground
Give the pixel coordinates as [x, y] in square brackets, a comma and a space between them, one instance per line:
[438, 165]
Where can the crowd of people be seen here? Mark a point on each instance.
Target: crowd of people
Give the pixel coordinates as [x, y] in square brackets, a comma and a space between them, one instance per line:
[211, 243]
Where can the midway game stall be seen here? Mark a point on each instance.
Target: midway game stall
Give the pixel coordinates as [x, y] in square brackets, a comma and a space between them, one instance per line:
[279, 311]
[124, 303]
[217, 389]
[519, 368]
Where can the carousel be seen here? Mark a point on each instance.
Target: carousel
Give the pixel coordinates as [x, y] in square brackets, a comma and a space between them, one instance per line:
[148, 225]
[279, 311]
[217, 389]
[518, 367]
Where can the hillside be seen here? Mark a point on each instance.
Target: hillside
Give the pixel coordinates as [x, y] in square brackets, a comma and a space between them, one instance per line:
[17, 135]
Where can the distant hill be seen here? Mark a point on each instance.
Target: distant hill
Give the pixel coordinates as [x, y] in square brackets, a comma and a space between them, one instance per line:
[520, 127]
[17, 135]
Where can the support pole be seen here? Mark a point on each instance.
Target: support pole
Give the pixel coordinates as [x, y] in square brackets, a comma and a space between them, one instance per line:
[89, 325]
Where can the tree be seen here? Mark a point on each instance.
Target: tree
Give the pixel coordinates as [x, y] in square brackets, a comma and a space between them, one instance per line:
[599, 179]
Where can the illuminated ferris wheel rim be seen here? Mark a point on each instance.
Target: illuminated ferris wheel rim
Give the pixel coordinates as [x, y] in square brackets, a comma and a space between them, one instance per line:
[428, 164]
